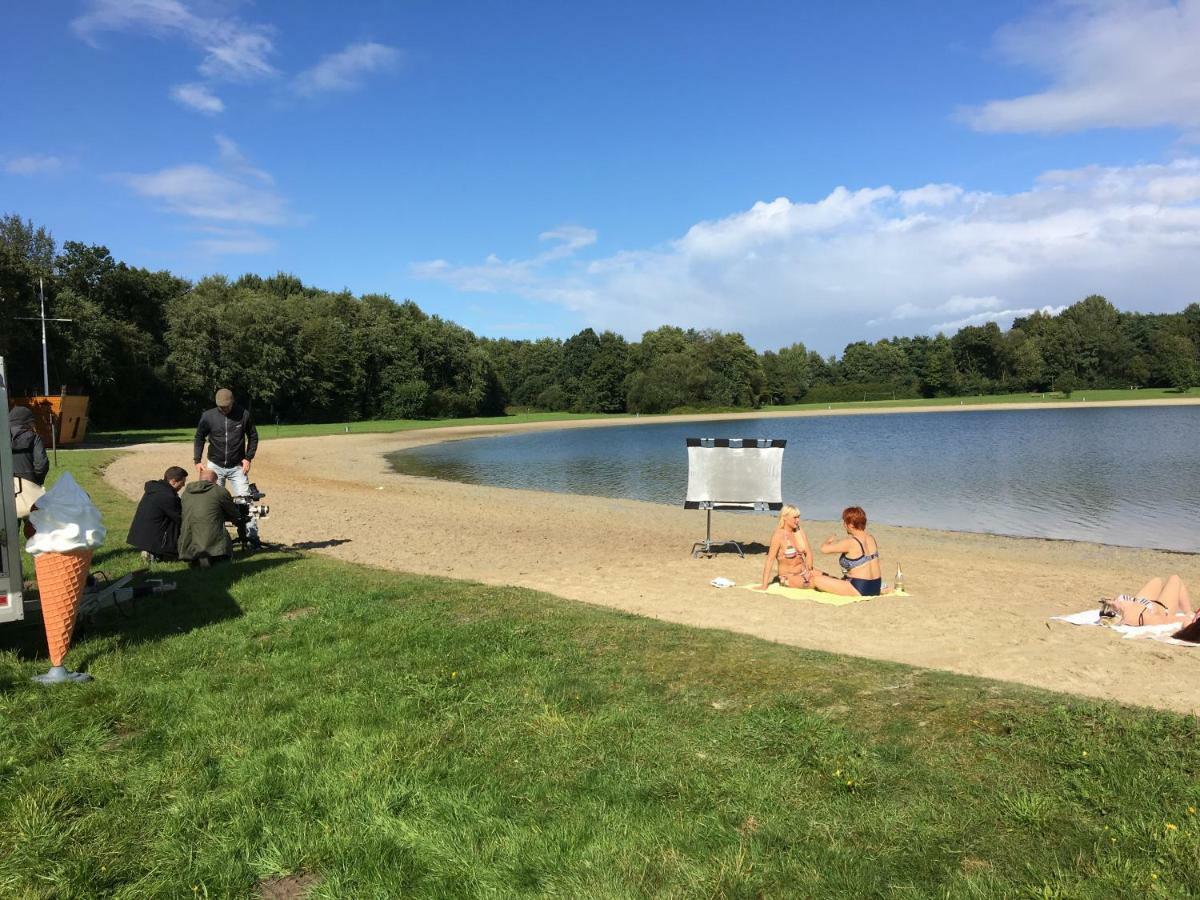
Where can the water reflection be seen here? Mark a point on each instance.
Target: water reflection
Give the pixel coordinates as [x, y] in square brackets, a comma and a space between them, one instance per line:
[1124, 476]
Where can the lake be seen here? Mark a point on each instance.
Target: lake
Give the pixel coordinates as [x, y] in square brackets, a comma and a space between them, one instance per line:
[1125, 476]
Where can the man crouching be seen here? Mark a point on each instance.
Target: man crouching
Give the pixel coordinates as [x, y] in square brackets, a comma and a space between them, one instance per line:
[155, 526]
[206, 508]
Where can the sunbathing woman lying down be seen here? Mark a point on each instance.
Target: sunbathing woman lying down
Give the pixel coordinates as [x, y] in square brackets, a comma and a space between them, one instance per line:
[1157, 603]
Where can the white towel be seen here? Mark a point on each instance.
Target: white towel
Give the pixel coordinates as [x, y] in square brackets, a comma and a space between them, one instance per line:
[1087, 617]
[1092, 617]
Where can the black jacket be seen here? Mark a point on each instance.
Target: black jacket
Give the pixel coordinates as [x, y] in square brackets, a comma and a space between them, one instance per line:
[155, 526]
[28, 452]
[231, 438]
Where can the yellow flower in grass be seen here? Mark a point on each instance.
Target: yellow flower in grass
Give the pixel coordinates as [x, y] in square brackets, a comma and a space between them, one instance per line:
[1171, 827]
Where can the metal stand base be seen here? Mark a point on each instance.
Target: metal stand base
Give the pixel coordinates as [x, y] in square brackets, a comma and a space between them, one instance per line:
[60, 675]
[706, 546]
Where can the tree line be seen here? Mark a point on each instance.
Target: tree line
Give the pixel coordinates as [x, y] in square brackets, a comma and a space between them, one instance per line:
[150, 347]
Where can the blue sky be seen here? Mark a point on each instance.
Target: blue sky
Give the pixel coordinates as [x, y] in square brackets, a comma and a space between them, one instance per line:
[796, 172]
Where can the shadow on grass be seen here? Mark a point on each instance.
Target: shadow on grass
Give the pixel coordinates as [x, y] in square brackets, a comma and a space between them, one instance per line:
[317, 545]
[201, 597]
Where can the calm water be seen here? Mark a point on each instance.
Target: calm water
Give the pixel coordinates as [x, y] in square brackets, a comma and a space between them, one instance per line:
[1117, 476]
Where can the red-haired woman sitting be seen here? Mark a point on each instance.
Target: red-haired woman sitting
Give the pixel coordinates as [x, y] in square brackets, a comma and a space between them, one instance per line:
[859, 559]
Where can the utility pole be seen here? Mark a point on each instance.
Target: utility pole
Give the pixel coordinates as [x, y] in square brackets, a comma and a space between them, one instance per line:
[46, 358]
[45, 353]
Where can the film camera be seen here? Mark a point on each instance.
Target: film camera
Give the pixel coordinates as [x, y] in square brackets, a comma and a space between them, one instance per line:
[249, 506]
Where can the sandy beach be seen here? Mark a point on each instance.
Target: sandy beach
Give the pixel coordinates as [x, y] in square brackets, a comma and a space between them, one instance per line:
[979, 603]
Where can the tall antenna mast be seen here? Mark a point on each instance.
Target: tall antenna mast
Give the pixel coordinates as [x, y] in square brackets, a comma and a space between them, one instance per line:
[45, 354]
[46, 361]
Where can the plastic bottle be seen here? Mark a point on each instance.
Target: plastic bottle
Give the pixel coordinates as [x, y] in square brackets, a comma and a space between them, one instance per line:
[899, 578]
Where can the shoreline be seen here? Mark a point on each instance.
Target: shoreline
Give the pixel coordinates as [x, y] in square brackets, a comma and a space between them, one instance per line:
[430, 436]
[979, 603]
[600, 420]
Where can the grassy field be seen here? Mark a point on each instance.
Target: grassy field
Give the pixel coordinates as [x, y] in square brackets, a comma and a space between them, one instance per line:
[124, 437]
[384, 735]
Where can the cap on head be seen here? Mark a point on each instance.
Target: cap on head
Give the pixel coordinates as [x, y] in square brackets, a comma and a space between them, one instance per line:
[224, 397]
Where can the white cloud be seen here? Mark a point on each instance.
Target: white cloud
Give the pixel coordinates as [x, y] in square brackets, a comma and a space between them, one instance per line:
[347, 69]
[197, 97]
[225, 201]
[33, 165]
[1003, 315]
[230, 241]
[982, 306]
[869, 263]
[1112, 64]
[498, 274]
[204, 193]
[233, 159]
[234, 50]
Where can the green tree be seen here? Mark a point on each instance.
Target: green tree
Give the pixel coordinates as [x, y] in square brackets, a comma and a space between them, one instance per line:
[1175, 361]
[26, 254]
[785, 374]
[979, 351]
[939, 377]
[734, 375]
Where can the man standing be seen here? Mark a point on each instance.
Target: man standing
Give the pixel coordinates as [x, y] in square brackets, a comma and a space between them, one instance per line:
[206, 508]
[232, 443]
[155, 526]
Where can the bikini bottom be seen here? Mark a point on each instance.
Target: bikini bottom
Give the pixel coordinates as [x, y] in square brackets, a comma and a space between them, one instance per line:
[866, 587]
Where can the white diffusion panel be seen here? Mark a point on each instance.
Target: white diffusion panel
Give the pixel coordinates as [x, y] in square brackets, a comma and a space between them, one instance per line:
[735, 475]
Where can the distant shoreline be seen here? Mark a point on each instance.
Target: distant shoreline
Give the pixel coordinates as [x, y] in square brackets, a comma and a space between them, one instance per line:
[445, 435]
[425, 436]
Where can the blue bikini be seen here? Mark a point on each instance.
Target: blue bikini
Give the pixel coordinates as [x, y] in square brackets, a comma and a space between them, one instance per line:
[866, 587]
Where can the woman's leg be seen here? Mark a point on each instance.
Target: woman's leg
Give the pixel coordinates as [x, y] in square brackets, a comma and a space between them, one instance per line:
[1174, 596]
[831, 585]
[1151, 589]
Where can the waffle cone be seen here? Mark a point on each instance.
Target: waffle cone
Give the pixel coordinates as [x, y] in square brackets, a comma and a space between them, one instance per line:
[60, 578]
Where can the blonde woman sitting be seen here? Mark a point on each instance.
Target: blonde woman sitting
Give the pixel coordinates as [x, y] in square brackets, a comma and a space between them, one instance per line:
[790, 552]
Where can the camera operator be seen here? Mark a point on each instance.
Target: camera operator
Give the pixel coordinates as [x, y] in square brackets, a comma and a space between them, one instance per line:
[206, 508]
[232, 443]
[155, 526]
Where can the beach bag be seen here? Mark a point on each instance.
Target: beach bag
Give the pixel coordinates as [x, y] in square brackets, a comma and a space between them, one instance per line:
[27, 493]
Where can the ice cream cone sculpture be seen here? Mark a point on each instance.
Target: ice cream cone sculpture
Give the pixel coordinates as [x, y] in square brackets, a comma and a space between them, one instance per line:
[68, 530]
[61, 578]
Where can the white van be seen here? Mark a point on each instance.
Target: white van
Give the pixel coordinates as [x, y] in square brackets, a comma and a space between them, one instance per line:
[12, 605]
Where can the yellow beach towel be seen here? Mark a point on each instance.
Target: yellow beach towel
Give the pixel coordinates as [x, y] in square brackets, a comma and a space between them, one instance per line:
[816, 596]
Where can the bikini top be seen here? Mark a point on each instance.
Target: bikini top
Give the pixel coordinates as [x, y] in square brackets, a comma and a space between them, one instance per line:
[790, 549]
[848, 564]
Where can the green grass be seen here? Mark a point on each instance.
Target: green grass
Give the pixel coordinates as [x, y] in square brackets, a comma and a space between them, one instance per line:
[406, 736]
[123, 437]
